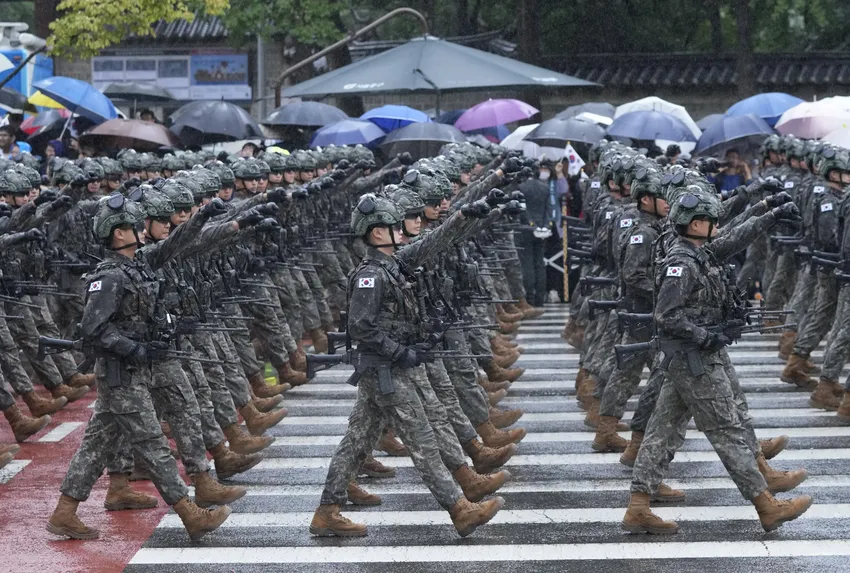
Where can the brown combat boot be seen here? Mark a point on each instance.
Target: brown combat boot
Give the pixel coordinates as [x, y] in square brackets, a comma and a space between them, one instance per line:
[495, 397]
[584, 393]
[795, 372]
[23, 426]
[328, 522]
[777, 481]
[506, 361]
[390, 445]
[375, 469]
[607, 439]
[198, 522]
[258, 423]
[298, 359]
[569, 328]
[529, 311]
[71, 394]
[844, 408]
[771, 448]
[640, 519]
[475, 486]
[786, 344]
[228, 463]
[591, 419]
[485, 459]
[824, 395]
[811, 367]
[5, 459]
[10, 449]
[507, 317]
[467, 516]
[79, 380]
[209, 492]
[493, 386]
[580, 376]
[265, 405]
[495, 373]
[263, 390]
[65, 522]
[242, 442]
[773, 512]
[507, 327]
[576, 339]
[41, 406]
[504, 418]
[500, 346]
[121, 496]
[496, 438]
[291, 378]
[359, 496]
[320, 340]
[667, 494]
[630, 455]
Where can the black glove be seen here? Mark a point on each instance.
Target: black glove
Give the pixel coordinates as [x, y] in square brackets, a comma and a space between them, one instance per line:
[406, 158]
[155, 350]
[787, 212]
[496, 197]
[277, 195]
[34, 235]
[5, 210]
[249, 218]
[300, 193]
[526, 173]
[778, 199]
[129, 184]
[338, 175]
[343, 164]
[771, 185]
[62, 202]
[511, 165]
[518, 196]
[46, 196]
[314, 187]
[138, 356]
[478, 210]
[79, 181]
[214, 208]
[362, 164]
[708, 165]
[716, 341]
[267, 224]
[326, 182]
[157, 182]
[407, 357]
[513, 207]
[268, 209]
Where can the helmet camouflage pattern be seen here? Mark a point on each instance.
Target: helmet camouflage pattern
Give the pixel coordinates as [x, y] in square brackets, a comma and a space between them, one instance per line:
[407, 199]
[178, 193]
[374, 211]
[127, 212]
[14, 183]
[156, 204]
[696, 202]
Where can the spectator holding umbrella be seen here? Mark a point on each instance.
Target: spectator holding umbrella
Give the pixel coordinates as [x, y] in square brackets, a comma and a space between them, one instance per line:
[537, 224]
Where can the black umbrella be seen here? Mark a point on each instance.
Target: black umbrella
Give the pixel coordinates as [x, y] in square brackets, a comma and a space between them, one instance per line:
[558, 132]
[421, 139]
[212, 121]
[39, 140]
[132, 91]
[305, 114]
[599, 108]
[13, 102]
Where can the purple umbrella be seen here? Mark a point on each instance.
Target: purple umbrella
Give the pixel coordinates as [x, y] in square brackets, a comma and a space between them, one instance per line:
[494, 112]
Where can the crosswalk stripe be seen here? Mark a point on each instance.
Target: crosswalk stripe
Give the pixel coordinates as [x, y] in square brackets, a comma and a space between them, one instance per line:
[12, 469]
[60, 431]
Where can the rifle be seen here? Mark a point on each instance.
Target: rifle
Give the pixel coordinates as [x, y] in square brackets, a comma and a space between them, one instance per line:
[603, 305]
[588, 284]
[638, 325]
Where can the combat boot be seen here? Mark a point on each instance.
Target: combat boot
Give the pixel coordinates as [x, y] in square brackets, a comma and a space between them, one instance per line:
[777, 481]
[499, 347]
[569, 328]
[71, 394]
[198, 522]
[580, 376]
[298, 359]
[576, 339]
[591, 419]
[263, 390]
[504, 418]
[774, 512]
[242, 442]
[795, 372]
[328, 522]
[209, 492]
[506, 316]
[5, 458]
[390, 445]
[9, 449]
[584, 394]
[824, 395]
[258, 423]
[496, 397]
[291, 378]
[497, 374]
[359, 496]
[467, 516]
[640, 519]
[65, 522]
[607, 439]
[508, 327]
[375, 469]
[667, 494]
[41, 406]
[771, 448]
[496, 438]
[493, 386]
[229, 463]
[811, 367]
[630, 455]
[475, 486]
[786, 344]
[529, 311]
[23, 426]
[320, 340]
[121, 496]
[485, 459]
[508, 341]
[505, 360]
[265, 405]
[844, 408]
[79, 380]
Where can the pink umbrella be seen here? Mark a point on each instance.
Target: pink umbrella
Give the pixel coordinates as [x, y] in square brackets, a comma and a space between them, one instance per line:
[494, 112]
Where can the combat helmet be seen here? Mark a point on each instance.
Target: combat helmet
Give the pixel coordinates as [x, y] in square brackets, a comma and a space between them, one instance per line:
[275, 161]
[427, 186]
[28, 159]
[92, 170]
[173, 163]
[832, 158]
[14, 183]
[407, 200]
[374, 211]
[225, 173]
[114, 211]
[31, 174]
[131, 161]
[770, 143]
[156, 204]
[646, 181]
[246, 169]
[696, 202]
[179, 194]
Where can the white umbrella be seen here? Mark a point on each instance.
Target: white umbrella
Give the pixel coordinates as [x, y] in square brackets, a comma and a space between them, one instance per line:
[5, 63]
[839, 137]
[813, 120]
[595, 118]
[515, 139]
[654, 103]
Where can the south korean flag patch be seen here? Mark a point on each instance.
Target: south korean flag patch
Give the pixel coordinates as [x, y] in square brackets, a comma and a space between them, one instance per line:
[625, 223]
[636, 240]
[674, 271]
[366, 283]
[594, 185]
[818, 189]
[789, 184]
[826, 207]
[95, 286]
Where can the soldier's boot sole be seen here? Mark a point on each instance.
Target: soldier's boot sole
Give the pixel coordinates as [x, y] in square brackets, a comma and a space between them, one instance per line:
[331, 532]
[376, 475]
[640, 528]
[122, 505]
[65, 532]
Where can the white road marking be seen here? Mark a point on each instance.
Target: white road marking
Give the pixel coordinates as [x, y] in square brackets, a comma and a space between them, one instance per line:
[60, 432]
[12, 469]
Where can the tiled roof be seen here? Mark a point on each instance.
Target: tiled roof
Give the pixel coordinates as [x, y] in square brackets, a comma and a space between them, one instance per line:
[201, 29]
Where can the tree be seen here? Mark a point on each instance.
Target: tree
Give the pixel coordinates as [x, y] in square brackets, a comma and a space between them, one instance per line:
[313, 22]
[85, 27]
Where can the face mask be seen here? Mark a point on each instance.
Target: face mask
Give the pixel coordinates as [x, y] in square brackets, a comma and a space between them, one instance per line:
[544, 175]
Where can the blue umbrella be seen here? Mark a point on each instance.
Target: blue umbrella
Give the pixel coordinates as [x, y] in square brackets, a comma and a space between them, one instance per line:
[650, 125]
[78, 96]
[742, 132]
[769, 106]
[710, 119]
[347, 132]
[391, 117]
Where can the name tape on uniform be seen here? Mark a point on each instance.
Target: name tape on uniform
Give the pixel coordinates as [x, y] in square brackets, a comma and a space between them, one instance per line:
[674, 271]
[95, 286]
[636, 240]
[366, 283]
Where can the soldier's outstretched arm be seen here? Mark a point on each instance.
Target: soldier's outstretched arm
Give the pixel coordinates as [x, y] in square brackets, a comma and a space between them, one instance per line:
[739, 237]
[432, 244]
[756, 210]
[179, 240]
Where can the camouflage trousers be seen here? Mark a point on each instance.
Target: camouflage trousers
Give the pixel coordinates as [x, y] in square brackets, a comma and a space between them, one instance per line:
[770, 264]
[648, 398]
[310, 318]
[463, 375]
[7, 397]
[68, 311]
[781, 288]
[215, 380]
[838, 350]
[623, 381]
[287, 296]
[513, 270]
[197, 378]
[601, 347]
[719, 408]
[266, 327]
[242, 344]
[802, 299]
[26, 337]
[403, 410]
[821, 315]
[319, 296]
[10, 362]
[45, 326]
[445, 392]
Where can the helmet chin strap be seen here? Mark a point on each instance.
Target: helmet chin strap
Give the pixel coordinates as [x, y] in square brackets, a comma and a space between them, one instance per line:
[395, 246]
[137, 243]
[707, 238]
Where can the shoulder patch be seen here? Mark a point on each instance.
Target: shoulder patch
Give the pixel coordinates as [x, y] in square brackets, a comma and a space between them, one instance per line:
[594, 185]
[674, 271]
[95, 286]
[826, 207]
[636, 240]
[366, 282]
[608, 215]
[625, 223]
[818, 189]
[789, 184]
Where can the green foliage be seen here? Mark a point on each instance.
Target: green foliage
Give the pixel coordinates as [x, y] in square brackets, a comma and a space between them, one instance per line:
[308, 21]
[18, 12]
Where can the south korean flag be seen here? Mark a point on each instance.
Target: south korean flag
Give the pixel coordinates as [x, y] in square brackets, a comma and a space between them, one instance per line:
[636, 240]
[674, 271]
[366, 283]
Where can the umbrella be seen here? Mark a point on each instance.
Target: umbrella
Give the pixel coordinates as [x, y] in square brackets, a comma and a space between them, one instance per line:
[429, 64]
[118, 133]
[813, 120]
[650, 125]
[421, 139]
[45, 133]
[839, 137]
[493, 134]
[558, 132]
[709, 119]
[212, 121]
[769, 106]
[450, 117]
[347, 132]
[494, 112]
[34, 122]
[134, 91]
[599, 108]
[78, 96]
[516, 139]
[594, 118]
[305, 114]
[14, 102]
[5, 63]
[38, 99]
[654, 103]
[392, 117]
[743, 132]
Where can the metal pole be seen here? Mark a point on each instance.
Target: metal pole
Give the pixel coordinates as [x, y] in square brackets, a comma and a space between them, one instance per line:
[261, 74]
[344, 42]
